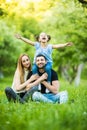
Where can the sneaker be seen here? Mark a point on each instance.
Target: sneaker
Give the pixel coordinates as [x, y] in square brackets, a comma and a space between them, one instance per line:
[63, 97]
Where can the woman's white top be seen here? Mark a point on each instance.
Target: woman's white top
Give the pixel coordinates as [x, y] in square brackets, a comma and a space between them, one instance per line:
[17, 82]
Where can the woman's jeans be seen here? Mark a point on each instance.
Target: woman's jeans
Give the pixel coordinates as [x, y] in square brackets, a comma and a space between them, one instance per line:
[61, 97]
[12, 96]
[47, 68]
[19, 97]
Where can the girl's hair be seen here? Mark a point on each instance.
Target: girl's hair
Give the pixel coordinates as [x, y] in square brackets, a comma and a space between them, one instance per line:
[37, 38]
[21, 68]
[49, 37]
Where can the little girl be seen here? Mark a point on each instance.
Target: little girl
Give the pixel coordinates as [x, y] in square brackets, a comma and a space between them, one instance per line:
[42, 47]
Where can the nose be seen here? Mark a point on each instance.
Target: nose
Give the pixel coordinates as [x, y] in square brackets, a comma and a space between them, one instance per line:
[27, 62]
[40, 61]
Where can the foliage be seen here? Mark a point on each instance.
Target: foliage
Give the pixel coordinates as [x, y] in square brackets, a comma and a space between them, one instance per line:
[7, 47]
[64, 20]
[68, 23]
[83, 2]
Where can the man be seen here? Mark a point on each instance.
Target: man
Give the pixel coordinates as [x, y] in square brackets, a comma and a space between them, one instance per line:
[46, 92]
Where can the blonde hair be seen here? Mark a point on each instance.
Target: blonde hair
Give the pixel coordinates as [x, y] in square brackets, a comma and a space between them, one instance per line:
[20, 67]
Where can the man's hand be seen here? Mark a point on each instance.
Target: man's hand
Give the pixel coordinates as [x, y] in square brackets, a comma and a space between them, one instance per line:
[44, 76]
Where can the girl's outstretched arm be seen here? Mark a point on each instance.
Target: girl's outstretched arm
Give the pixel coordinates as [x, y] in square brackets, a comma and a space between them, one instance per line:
[56, 46]
[18, 36]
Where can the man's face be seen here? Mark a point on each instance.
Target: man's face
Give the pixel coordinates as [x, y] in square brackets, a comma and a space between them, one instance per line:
[40, 62]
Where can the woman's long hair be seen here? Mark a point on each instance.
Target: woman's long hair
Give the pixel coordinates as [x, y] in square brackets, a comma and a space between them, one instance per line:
[20, 67]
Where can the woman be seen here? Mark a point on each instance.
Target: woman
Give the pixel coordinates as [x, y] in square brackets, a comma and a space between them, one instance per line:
[18, 90]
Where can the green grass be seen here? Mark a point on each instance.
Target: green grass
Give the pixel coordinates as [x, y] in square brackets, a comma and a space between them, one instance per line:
[42, 116]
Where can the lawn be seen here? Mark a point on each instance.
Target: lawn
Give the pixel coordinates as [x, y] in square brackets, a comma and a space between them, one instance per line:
[42, 116]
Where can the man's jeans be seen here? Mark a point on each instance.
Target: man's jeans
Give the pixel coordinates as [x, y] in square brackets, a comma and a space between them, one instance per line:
[61, 97]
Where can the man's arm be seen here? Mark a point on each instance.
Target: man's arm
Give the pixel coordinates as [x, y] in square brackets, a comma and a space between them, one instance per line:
[54, 88]
[18, 36]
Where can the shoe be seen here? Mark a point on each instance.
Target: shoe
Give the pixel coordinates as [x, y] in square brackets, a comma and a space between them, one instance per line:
[63, 97]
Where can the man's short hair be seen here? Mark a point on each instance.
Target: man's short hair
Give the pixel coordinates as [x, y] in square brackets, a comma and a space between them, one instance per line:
[39, 55]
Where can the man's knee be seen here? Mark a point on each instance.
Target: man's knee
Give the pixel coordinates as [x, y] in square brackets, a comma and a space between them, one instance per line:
[35, 95]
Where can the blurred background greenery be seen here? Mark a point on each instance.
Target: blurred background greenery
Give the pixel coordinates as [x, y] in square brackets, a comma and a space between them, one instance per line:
[64, 20]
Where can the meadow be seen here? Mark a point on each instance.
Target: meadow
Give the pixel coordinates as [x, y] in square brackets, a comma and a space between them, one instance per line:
[45, 116]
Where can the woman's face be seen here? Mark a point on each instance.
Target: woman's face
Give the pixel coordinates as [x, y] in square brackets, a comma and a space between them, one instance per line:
[25, 62]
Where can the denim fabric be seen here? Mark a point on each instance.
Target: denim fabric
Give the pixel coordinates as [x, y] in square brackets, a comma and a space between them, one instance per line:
[37, 96]
[29, 93]
[61, 97]
[47, 51]
[34, 69]
[47, 68]
[11, 95]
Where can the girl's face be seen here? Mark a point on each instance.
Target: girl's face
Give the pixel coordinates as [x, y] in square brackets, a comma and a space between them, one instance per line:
[25, 62]
[43, 37]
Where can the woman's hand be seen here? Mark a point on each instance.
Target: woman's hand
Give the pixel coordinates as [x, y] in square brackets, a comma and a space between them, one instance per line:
[34, 77]
[38, 79]
[27, 87]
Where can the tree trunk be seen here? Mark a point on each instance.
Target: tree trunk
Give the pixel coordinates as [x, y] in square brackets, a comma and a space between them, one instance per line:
[78, 75]
[1, 74]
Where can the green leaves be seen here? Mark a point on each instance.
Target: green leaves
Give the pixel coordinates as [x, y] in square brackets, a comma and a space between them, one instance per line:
[64, 20]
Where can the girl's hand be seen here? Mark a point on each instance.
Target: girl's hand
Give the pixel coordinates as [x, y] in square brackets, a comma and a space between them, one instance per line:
[18, 36]
[69, 44]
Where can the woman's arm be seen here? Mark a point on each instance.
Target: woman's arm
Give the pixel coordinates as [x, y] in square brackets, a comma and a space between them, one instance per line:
[24, 39]
[17, 83]
[62, 45]
[39, 80]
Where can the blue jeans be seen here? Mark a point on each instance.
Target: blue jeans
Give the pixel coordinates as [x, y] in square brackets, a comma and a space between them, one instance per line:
[61, 97]
[47, 68]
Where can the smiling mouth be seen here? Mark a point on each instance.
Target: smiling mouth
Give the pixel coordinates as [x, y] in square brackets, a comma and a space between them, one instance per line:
[27, 64]
[43, 38]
